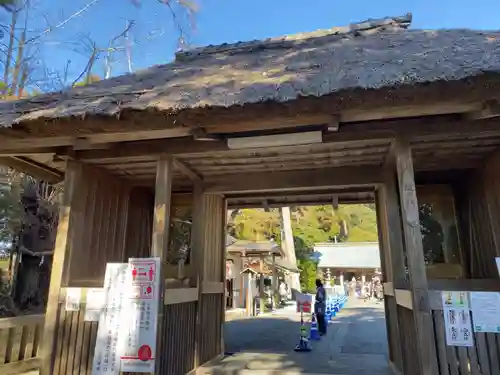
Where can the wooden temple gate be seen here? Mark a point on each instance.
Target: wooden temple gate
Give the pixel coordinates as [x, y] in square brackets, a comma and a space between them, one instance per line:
[136, 150]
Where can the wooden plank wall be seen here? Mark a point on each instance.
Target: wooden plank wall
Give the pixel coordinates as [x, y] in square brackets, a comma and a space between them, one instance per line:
[139, 223]
[480, 359]
[102, 233]
[99, 227]
[475, 229]
[409, 341]
[179, 323]
[75, 343]
[478, 203]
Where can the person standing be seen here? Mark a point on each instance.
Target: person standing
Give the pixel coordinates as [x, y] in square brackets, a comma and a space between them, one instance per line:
[320, 307]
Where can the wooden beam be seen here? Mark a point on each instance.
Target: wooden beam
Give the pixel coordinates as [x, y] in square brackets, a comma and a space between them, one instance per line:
[181, 295]
[389, 289]
[306, 202]
[489, 109]
[404, 298]
[418, 129]
[422, 314]
[295, 180]
[393, 116]
[97, 139]
[212, 287]
[348, 135]
[426, 128]
[61, 249]
[187, 170]
[24, 366]
[160, 240]
[140, 148]
[33, 168]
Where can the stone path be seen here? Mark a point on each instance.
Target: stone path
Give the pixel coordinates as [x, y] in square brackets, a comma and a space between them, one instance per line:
[356, 344]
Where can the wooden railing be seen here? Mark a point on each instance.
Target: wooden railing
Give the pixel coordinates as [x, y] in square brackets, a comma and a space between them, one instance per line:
[19, 341]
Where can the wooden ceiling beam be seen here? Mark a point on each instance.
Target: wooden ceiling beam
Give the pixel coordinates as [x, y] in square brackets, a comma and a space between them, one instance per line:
[33, 168]
[187, 171]
[285, 181]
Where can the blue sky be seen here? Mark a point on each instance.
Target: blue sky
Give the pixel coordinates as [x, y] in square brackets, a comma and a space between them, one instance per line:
[219, 21]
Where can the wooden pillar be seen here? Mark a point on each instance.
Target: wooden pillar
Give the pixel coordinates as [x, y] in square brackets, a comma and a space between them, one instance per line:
[274, 286]
[249, 294]
[209, 216]
[391, 250]
[221, 220]
[197, 257]
[261, 286]
[422, 314]
[160, 240]
[62, 249]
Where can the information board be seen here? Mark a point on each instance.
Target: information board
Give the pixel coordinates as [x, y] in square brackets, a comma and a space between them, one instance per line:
[108, 348]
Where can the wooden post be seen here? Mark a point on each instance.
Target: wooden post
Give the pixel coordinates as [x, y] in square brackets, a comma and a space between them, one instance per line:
[422, 314]
[61, 249]
[390, 225]
[261, 286]
[222, 249]
[274, 286]
[160, 240]
[249, 294]
[391, 245]
[197, 257]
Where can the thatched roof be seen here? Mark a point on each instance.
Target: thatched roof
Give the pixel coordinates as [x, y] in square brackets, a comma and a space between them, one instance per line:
[371, 54]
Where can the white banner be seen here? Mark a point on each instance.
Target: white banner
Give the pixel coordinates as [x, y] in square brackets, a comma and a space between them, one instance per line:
[107, 347]
[140, 316]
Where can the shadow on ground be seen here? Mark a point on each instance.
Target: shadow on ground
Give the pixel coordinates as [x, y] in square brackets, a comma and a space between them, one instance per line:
[355, 344]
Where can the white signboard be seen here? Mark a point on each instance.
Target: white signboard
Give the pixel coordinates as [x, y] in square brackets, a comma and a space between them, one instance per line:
[107, 348]
[304, 302]
[94, 304]
[139, 317]
[485, 311]
[457, 320]
[73, 299]
[498, 264]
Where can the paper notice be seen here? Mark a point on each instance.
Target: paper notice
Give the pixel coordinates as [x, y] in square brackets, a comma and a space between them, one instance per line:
[73, 299]
[485, 311]
[94, 304]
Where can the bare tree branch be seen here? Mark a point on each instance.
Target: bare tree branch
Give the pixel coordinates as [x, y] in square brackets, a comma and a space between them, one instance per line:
[64, 22]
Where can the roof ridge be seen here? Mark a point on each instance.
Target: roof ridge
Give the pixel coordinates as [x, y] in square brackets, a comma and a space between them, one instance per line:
[367, 27]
